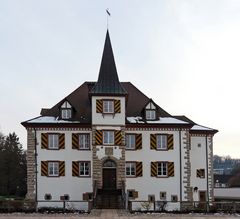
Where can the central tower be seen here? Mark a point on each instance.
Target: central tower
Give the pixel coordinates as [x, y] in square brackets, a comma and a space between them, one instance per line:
[108, 99]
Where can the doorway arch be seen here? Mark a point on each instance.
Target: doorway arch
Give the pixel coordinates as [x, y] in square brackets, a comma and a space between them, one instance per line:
[109, 174]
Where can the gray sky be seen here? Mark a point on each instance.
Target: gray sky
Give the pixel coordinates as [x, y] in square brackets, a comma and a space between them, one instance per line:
[182, 54]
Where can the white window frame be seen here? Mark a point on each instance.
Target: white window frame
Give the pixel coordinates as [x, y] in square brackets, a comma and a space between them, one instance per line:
[150, 114]
[66, 110]
[162, 169]
[108, 137]
[84, 168]
[108, 106]
[53, 168]
[84, 141]
[130, 169]
[130, 141]
[66, 113]
[161, 142]
[53, 141]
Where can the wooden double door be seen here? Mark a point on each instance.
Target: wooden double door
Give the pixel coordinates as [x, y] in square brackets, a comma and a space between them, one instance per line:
[109, 178]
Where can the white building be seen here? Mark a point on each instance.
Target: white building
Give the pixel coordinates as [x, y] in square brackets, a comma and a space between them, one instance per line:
[110, 136]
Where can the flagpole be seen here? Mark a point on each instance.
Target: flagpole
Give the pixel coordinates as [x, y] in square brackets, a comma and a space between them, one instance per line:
[108, 15]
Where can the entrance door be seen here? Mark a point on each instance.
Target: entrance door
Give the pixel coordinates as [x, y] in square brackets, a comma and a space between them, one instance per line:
[202, 199]
[109, 178]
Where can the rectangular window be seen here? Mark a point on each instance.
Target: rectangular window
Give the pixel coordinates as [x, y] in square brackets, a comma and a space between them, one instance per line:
[130, 169]
[53, 168]
[84, 168]
[53, 141]
[130, 141]
[108, 106]
[162, 169]
[150, 114]
[161, 142]
[84, 141]
[108, 137]
[174, 198]
[66, 113]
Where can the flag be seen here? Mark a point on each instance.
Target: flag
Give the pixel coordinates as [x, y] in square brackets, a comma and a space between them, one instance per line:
[108, 12]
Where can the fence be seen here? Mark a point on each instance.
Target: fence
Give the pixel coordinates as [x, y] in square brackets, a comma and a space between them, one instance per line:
[42, 206]
[168, 206]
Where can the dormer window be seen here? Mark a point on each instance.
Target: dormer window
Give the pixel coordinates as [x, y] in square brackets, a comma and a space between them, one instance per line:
[66, 111]
[108, 106]
[150, 111]
[150, 114]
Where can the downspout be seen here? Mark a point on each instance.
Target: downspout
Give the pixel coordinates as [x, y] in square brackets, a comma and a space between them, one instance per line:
[180, 164]
[35, 147]
[207, 174]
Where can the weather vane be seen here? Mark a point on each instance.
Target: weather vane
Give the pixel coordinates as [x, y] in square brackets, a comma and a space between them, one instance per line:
[108, 15]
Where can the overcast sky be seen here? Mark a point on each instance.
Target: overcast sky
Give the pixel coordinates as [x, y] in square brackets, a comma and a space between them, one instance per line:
[182, 54]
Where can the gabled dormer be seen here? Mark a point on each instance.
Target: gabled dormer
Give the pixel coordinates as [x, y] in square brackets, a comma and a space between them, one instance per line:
[66, 110]
[150, 111]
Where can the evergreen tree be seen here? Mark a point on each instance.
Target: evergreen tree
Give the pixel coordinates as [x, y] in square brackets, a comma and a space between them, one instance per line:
[12, 166]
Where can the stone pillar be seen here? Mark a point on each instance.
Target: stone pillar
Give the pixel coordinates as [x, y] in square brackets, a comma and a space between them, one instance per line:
[31, 166]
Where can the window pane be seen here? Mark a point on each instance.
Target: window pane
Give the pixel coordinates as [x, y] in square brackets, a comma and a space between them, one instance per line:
[161, 141]
[130, 141]
[162, 169]
[130, 169]
[108, 137]
[53, 168]
[66, 113]
[150, 114]
[108, 106]
[53, 141]
[84, 141]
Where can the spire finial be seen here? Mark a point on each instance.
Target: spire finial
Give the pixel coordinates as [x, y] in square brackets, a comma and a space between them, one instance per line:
[108, 15]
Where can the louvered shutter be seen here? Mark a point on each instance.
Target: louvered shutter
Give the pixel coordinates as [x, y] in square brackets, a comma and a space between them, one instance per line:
[118, 137]
[98, 137]
[44, 140]
[44, 168]
[154, 169]
[75, 168]
[170, 168]
[138, 169]
[61, 141]
[138, 141]
[99, 106]
[61, 168]
[153, 142]
[170, 142]
[75, 143]
[117, 106]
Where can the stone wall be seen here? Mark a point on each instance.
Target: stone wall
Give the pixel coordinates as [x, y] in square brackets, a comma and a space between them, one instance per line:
[31, 166]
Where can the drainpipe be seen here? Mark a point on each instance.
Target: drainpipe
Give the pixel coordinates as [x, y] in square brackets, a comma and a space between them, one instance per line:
[207, 174]
[180, 164]
[35, 147]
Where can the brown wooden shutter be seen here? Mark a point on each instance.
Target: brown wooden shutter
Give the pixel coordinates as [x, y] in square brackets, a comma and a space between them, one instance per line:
[75, 168]
[99, 106]
[61, 168]
[138, 169]
[118, 137]
[44, 140]
[75, 141]
[154, 169]
[135, 194]
[170, 168]
[153, 142]
[61, 141]
[170, 142]
[98, 137]
[138, 141]
[44, 168]
[117, 106]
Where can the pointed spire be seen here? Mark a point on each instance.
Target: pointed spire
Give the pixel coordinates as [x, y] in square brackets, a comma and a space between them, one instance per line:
[108, 82]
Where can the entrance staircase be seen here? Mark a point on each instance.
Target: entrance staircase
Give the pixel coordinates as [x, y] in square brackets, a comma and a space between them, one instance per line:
[109, 199]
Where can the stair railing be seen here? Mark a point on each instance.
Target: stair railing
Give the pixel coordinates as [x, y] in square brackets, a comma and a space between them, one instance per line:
[123, 194]
[95, 193]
